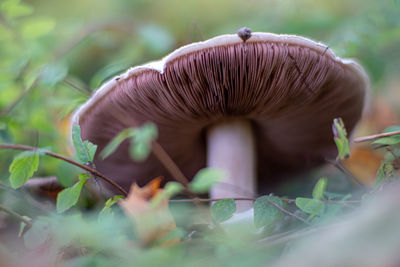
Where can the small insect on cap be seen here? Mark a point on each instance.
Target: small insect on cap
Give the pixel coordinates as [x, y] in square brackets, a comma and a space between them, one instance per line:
[287, 88]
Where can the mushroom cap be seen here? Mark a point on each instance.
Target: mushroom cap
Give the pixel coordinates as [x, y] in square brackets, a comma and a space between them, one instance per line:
[289, 87]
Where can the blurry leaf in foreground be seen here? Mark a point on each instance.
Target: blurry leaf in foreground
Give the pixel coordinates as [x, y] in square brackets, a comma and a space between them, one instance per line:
[53, 73]
[38, 234]
[264, 212]
[311, 206]
[85, 150]
[170, 190]
[205, 178]
[107, 211]
[14, 9]
[22, 225]
[340, 137]
[116, 141]
[23, 167]
[319, 188]
[386, 173]
[70, 196]
[151, 223]
[223, 210]
[141, 141]
[37, 27]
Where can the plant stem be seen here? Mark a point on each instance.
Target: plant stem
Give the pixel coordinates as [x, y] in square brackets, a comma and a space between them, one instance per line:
[82, 166]
[288, 212]
[338, 164]
[375, 136]
[16, 215]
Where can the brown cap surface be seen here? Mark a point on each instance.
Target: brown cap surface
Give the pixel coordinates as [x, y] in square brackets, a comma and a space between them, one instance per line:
[289, 87]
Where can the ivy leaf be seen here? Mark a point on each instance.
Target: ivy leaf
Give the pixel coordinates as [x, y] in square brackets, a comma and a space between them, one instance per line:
[116, 141]
[340, 137]
[204, 179]
[319, 188]
[69, 196]
[389, 140]
[311, 206]
[264, 212]
[222, 210]
[141, 141]
[23, 167]
[107, 211]
[86, 150]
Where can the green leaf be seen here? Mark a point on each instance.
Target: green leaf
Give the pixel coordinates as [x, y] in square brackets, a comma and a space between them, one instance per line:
[264, 212]
[85, 151]
[23, 167]
[205, 178]
[319, 188]
[389, 140]
[311, 206]
[170, 189]
[340, 137]
[385, 173]
[141, 141]
[14, 9]
[116, 141]
[69, 196]
[53, 73]
[107, 211]
[22, 225]
[37, 27]
[222, 210]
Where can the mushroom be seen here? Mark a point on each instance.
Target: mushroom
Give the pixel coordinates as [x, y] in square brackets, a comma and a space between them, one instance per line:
[258, 105]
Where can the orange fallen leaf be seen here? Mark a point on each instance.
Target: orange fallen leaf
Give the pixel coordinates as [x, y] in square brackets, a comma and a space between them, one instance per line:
[153, 223]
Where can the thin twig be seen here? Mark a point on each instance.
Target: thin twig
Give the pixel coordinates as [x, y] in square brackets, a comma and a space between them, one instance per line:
[288, 212]
[375, 136]
[82, 166]
[338, 164]
[16, 215]
[169, 164]
[211, 199]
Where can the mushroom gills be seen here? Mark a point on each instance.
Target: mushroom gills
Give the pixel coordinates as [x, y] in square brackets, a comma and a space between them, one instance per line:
[231, 147]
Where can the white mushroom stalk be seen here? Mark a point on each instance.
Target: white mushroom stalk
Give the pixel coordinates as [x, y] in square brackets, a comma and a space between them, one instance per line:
[231, 147]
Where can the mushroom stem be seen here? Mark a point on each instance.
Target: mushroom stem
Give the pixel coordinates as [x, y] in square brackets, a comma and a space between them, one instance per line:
[230, 146]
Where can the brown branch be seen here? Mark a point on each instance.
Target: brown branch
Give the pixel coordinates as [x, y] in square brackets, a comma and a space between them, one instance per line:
[82, 166]
[338, 164]
[169, 164]
[16, 215]
[375, 136]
